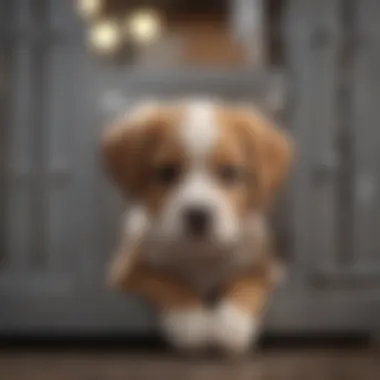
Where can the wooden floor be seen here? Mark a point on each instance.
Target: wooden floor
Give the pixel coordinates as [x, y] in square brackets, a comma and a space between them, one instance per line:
[299, 364]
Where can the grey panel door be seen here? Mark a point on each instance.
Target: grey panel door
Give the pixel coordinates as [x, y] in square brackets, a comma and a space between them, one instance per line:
[52, 267]
[59, 217]
[334, 280]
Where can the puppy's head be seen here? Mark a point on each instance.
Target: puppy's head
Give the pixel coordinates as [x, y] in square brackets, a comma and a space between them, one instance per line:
[199, 167]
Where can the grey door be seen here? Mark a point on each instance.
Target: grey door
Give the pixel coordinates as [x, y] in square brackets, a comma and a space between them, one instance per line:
[52, 262]
[59, 217]
[334, 279]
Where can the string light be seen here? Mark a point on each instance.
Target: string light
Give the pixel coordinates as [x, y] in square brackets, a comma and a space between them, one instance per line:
[144, 26]
[105, 37]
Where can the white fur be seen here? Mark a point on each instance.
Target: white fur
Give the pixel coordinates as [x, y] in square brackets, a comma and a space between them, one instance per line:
[199, 131]
[136, 223]
[233, 329]
[199, 189]
[199, 134]
[187, 329]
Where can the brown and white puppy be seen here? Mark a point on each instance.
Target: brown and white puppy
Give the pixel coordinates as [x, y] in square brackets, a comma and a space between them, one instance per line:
[202, 176]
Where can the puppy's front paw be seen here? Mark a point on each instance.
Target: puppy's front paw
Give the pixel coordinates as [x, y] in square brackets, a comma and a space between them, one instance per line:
[187, 329]
[233, 329]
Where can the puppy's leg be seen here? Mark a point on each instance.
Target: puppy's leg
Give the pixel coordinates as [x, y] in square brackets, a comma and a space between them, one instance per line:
[135, 229]
[182, 316]
[183, 319]
[237, 318]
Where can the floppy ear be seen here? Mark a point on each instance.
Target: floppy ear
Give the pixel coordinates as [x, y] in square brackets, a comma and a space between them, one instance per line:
[124, 151]
[270, 153]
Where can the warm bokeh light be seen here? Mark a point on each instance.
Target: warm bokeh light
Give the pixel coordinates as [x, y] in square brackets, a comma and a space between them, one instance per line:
[89, 8]
[144, 26]
[105, 37]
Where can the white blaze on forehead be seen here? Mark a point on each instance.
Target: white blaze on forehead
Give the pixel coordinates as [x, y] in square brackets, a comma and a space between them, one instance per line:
[198, 135]
[199, 131]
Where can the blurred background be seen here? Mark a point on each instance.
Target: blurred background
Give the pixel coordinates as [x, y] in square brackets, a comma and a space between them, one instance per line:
[68, 67]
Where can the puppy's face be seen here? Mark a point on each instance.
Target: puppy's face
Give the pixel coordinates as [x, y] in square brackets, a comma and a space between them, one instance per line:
[200, 168]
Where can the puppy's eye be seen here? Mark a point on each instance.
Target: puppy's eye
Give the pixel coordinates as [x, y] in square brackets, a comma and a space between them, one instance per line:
[167, 174]
[230, 174]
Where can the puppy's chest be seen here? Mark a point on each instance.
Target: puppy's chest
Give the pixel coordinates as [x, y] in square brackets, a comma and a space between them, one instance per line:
[204, 272]
[207, 274]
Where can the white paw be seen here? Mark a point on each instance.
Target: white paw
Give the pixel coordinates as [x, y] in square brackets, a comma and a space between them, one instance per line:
[187, 329]
[233, 330]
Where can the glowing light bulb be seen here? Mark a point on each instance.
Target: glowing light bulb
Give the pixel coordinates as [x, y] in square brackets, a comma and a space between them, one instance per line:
[105, 37]
[144, 26]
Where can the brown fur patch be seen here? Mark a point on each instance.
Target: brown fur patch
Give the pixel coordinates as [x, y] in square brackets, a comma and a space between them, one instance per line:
[129, 145]
[267, 149]
[133, 148]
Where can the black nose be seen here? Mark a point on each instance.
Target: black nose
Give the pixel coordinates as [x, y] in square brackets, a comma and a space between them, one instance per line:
[197, 220]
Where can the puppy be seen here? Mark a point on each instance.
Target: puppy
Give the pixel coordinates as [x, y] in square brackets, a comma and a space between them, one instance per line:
[202, 176]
